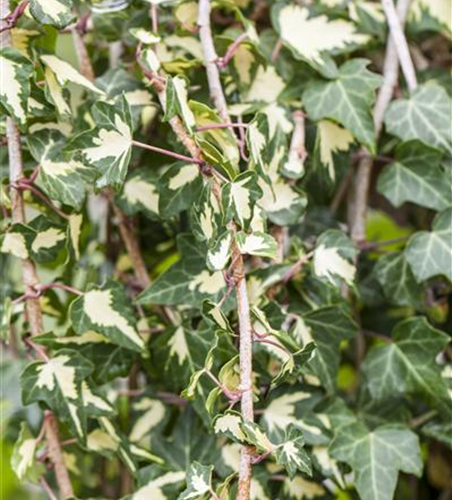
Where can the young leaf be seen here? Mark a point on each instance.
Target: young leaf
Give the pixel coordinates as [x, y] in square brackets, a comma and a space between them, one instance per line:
[176, 102]
[347, 99]
[218, 256]
[292, 455]
[106, 310]
[257, 243]
[199, 481]
[240, 196]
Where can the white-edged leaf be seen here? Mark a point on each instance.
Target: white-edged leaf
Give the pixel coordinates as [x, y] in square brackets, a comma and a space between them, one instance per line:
[15, 72]
[219, 254]
[199, 479]
[23, 459]
[333, 257]
[57, 13]
[106, 310]
[292, 455]
[332, 139]
[14, 243]
[257, 243]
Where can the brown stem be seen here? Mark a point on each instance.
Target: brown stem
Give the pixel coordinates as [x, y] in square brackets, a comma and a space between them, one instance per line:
[222, 62]
[11, 19]
[29, 186]
[167, 152]
[360, 192]
[210, 60]
[30, 280]
[84, 61]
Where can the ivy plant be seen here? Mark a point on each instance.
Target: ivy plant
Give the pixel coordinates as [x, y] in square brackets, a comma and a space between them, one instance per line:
[226, 249]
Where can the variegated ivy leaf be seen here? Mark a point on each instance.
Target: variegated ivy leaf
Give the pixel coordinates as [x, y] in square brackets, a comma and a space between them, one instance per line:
[106, 310]
[377, 456]
[213, 313]
[144, 36]
[256, 436]
[423, 116]
[177, 103]
[219, 254]
[43, 239]
[140, 194]
[108, 146]
[223, 139]
[152, 415]
[416, 176]
[199, 481]
[95, 404]
[205, 216]
[431, 15]
[57, 95]
[57, 13]
[179, 187]
[333, 257]
[109, 360]
[186, 282]
[331, 139]
[430, 253]
[257, 139]
[65, 73]
[123, 447]
[14, 243]
[159, 486]
[313, 38]
[62, 178]
[239, 198]
[57, 382]
[292, 455]
[14, 84]
[23, 459]
[229, 425]
[397, 280]
[347, 99]
[257, 243]
[406, 366]
[299, 488]
[74, 231]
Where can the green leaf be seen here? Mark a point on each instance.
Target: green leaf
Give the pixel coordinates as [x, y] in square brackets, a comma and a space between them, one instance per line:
[328, 327]
[257, 243]
[187, 282]
[229, 425]
[23, 459]
[239, 198]
[407, 365]
[416, 176]
[333, 258]
[158, 486]
[347, 99]
[430, 253]
[213, 313]
[424, 116]
[15, 83]
[108, 146]
[58, 383]
[199, 480]
[292, 455]
[377, 456]
[179, 187]
[205, 216]
[256, 436]
[397, 279]
[60, 177]
[57, 13]
[106, 310]
[313, 38]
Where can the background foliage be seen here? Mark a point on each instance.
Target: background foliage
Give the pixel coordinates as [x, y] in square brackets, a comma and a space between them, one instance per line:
[136, 253]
